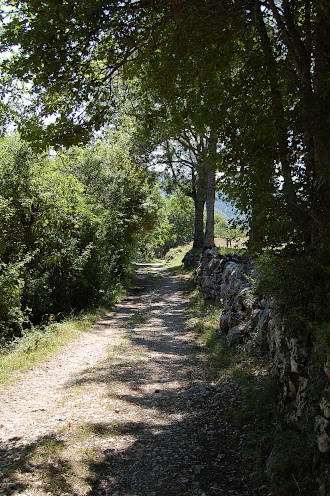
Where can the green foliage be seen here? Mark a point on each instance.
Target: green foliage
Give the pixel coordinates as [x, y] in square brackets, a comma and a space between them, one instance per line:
[220, 226]
[12, 315]
[225, 229]
[139, 317]
[174, 257]
[175, 226]
[69, 226]
[300, 284]
[205, 323]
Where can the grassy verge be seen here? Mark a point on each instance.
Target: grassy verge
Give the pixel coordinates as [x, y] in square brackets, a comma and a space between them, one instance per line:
[38, 344]
[173, 259]
[204, 322]
[226, 251]
[279, 458]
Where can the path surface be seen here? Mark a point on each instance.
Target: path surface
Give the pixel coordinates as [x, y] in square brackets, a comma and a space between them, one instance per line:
[127, 409]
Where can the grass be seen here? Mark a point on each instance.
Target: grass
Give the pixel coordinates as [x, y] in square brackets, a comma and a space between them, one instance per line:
[226, 251]
[48, 449]
[204, 322]
[68, 464]
[173, 259]
[39, 344]
[153, 276]
[239, 243]
[99, 430]
[120, 346]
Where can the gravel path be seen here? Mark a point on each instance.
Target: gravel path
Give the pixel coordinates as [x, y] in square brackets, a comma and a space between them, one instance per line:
[127, 409]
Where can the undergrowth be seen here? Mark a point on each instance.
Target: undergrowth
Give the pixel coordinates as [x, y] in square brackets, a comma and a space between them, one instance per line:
[204, 322]
[226, 251]
[38, 344]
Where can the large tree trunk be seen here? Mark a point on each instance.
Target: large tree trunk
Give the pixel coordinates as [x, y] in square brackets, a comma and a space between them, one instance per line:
[199, 221]
[210, 197]
[209, 231]
[317, 113]
[281, 128]
[199, 201]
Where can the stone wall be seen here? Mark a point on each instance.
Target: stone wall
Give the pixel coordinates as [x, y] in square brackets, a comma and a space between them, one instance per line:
[230, 282]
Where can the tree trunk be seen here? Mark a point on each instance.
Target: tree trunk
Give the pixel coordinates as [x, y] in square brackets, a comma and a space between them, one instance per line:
[210, 196]
[256, 234]
[281, 128]
[317, 113]
[199, 201]
[199, 198]
[209, 231]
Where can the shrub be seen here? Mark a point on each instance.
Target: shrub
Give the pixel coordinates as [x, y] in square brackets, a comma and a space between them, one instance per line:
[69, 228]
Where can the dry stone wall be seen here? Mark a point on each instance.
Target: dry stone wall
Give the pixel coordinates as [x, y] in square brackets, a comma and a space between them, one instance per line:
[230, 281]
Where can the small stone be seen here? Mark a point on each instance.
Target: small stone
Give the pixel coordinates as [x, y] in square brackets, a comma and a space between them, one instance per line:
[197, 390]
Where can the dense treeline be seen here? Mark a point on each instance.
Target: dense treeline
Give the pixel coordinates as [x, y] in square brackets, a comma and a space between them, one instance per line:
[235, 94]
[69, 226]
[175, 226]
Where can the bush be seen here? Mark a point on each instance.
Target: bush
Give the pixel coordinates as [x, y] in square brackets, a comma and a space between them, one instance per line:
[12, 316]
[175, 227]
[300, 285]
[69, 228]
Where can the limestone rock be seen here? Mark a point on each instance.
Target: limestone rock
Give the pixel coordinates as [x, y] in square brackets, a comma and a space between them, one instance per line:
[325, 406]
[322, 434]
[235, 335]
[224, 323]
[228, 281]
[191, 258]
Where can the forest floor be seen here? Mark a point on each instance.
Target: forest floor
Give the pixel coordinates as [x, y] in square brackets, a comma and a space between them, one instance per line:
[129, 408]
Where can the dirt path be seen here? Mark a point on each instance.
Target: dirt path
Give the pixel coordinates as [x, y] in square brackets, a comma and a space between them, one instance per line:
[127, 409]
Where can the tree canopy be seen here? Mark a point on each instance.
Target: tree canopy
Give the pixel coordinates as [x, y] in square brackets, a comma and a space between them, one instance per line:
[69, 227]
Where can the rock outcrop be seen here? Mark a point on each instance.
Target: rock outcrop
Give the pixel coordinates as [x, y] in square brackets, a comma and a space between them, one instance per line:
[230, 282]
[191, 258]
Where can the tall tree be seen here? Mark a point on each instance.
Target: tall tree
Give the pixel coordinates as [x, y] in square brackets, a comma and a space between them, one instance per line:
[71, 54]
[185, 169]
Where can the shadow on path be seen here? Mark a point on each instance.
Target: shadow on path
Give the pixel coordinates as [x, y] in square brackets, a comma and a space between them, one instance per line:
[168, 436]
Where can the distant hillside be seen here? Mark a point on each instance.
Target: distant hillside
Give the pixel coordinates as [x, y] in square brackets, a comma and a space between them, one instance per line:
[224, 208]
